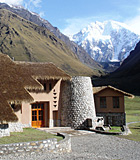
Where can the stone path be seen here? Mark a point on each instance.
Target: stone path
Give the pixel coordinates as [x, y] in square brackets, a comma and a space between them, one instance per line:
[68, 130]
[91, 146]
[132, 122]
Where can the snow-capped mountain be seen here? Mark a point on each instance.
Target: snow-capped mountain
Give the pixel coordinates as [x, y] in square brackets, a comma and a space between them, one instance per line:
[107, 41]
[16, 6]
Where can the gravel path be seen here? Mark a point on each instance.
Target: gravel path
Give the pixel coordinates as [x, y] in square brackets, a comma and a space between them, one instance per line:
[92, 147]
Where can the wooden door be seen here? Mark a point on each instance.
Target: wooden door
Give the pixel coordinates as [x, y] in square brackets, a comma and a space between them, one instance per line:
[55, 118]
[38, 115]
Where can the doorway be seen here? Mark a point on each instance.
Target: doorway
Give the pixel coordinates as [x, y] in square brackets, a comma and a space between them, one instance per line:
[38, 115]
[55, 118]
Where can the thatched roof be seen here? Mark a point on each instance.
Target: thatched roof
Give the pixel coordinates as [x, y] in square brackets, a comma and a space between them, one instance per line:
[6, 114]
[17, 77]
[99, 89]
[43, 70]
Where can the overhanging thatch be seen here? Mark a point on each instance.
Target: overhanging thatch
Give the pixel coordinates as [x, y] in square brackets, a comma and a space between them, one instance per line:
[43, 70]
[16, 77]
[6, 114]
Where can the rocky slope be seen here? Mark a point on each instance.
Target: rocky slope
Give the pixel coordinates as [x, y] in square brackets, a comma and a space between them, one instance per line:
[107, 41]
[77, 50]
[132, 63]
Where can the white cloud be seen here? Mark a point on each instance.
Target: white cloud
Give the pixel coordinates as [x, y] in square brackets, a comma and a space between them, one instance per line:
[15, 2]
[42, 14]
[29, 3]
[134, 24]
[74, 25]
[36, 2]
[32, 5]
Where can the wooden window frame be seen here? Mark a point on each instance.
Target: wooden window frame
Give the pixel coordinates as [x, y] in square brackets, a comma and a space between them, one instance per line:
[103, 103]
[116, 102]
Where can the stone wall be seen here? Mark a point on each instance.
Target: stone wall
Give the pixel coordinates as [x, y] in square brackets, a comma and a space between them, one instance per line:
[49, 145]
[78, 110]
[15, 127]
[113, 119]
[4, 130]
[26, 125]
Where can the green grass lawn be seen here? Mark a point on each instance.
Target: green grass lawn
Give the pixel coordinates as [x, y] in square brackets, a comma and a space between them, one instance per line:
[135, 129]
[28, 135]
[132, 108]
[115, 129]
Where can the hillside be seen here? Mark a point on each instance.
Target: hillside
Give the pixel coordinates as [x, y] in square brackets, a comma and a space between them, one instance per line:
[127, 76]
[26, 41]
[131, 65]
[78, 51]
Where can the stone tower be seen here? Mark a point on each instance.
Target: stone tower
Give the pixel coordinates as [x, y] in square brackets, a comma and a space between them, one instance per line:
[78, 110]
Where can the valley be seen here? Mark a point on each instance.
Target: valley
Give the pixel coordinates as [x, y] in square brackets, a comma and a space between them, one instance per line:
[71, 68]
[25, 36]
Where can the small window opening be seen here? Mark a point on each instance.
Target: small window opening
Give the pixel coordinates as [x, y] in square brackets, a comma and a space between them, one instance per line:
[103, 102]
[45, 87]
[116, 103]
[50, 86]
[13, 106]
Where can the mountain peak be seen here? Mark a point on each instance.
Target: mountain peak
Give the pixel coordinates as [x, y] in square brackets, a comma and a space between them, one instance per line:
[16, 6]
[107, 41]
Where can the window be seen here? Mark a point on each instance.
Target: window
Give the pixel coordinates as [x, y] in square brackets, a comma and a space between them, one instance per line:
[103, 102]
[13, 106]
[34, 115]
[116, 103]
[16, 107]
[45, 88]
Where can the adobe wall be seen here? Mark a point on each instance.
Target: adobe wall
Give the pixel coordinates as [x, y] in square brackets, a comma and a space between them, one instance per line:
[50, 98]
[78, 104]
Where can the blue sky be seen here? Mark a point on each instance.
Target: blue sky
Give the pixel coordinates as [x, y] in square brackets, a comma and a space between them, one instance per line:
[72, 15]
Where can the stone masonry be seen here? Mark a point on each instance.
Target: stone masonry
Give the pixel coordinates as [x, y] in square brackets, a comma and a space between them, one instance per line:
[15, 127]
[78, 110]
[4, 130]
[113, 119]
[48, 145]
